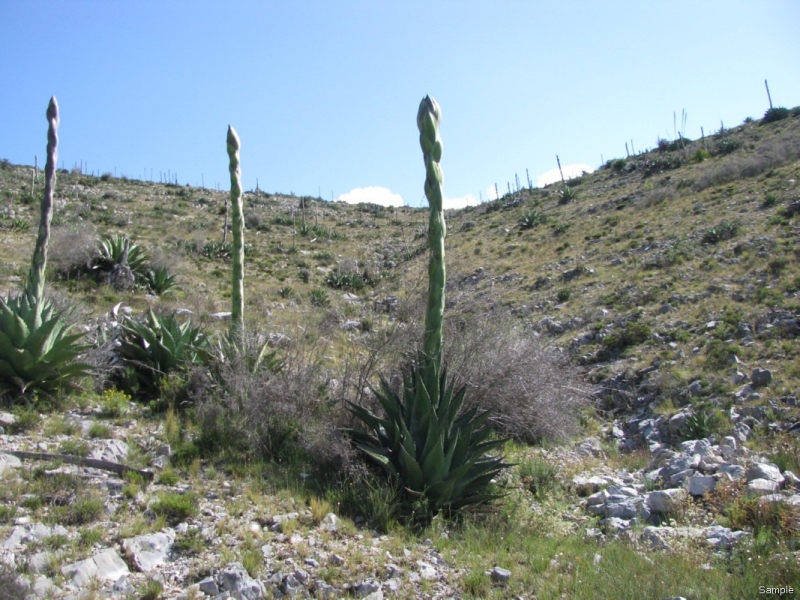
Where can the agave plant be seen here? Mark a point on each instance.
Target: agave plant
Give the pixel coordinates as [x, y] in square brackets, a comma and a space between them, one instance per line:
[439, 456]
[566, 194]
[159, 345]
[159, 280]
[37, 353]
[112, 253]
[35, 357]
[531, 219]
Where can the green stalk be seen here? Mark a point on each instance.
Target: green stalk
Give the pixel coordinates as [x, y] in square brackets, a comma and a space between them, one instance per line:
[34, 289]
[428, 118]
[237, 221]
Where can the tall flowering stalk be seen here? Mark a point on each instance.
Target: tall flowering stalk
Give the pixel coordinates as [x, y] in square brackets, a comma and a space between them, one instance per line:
[34, 289]
[237, 222]
[438, 454]
[37, 352]
[428, 118]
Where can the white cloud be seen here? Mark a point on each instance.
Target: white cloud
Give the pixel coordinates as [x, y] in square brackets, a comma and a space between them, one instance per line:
[570, 171]
[468, 200]
[373, 194]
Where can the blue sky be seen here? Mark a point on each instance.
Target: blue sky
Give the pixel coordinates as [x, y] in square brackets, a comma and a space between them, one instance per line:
[324, 95]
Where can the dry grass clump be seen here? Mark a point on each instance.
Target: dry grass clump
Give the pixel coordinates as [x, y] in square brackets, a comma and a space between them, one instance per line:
[72, 249]
[279, 413]
[769, 155]
[12, 586]
[531, 387]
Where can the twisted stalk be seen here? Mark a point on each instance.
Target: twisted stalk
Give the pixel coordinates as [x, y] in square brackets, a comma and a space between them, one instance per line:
[428, 118]
[34, 288]
[237, 222]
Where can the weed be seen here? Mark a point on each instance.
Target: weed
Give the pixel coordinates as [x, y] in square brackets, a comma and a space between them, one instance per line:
[190, 542]
[175, 508]
[319, 298]
[168, 477]
[539, 476]
[150, 590]
[74, 448]
[99, 430]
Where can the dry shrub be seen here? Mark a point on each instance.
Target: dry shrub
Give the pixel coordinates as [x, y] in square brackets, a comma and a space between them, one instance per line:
[12, 585]
[72, 249]
[766, 156]
[278, 414]
[531, 387]
[657, 196]
[534, 392]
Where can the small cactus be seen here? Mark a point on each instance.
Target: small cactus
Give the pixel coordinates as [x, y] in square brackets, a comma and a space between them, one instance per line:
[237, 221]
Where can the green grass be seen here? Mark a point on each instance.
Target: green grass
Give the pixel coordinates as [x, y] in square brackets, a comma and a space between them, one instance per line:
[174, 507]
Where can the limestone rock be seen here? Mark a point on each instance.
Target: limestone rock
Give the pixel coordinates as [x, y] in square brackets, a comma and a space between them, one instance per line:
[146, 552]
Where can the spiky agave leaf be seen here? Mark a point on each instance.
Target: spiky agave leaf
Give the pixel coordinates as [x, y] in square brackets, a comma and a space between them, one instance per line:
[39, 357]
[159, 280]
[112, 249]
[159, 345]
[436, 452]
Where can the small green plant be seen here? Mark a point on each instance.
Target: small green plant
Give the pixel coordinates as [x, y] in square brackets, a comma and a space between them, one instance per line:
[152, 589]
[159, 281]
[563, 295]
[348, 280]
[191, 542]
[723, 231]
[81, 511]
[176, 508]
[159, 345]
[319, 298]
[114, 403]
[560, 228]
[214, 249]
[770, 200]
[74, 448]
[566, 194]
[727, 145]
[285, 292]
[113, 249]
[617, 164]
[531, 219]
[700, 155]
[99, 430]
[539, 476]
[698, 425]
[168, 477]
[777, 113]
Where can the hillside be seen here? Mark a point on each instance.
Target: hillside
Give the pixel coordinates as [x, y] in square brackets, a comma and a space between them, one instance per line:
[654, 302]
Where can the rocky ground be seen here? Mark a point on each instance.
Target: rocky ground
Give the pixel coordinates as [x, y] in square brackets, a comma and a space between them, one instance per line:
[236, 541]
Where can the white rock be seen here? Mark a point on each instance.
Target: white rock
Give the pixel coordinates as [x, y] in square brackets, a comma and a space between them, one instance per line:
[700, 484]
[766, 471]
[666, 501]
[107, 566]
[761, 487]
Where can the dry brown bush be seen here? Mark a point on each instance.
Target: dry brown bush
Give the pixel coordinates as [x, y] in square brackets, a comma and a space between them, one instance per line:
[276, 414]
[12, 585]
[72, 248]
[766, 156]
[531, 387]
